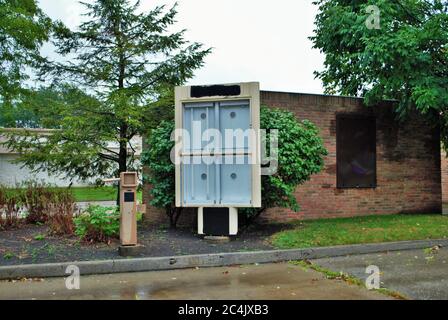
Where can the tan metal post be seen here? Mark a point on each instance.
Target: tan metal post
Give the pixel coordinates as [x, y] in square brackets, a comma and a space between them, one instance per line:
[128, 208]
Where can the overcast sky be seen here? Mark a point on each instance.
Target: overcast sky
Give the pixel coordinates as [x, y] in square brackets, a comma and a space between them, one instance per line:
[253, 40]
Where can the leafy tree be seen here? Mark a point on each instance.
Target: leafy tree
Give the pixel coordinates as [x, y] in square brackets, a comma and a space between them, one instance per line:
[405, 58]
[157, 158]
[116, 65]
[17, 116]
[162, 109]
[300, 154]
[78, 147]
[162, 170]
[39, 108]
[45, 105]
[23, 30]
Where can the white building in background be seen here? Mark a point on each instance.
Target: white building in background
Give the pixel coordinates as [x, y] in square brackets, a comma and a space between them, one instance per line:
[12, 173]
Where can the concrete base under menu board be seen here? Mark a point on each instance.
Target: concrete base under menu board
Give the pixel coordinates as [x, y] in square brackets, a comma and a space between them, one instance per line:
[130, 251]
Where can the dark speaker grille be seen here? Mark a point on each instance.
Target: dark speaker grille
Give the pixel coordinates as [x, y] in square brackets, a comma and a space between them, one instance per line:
[216, 221]
[129, 197]
[211, 91]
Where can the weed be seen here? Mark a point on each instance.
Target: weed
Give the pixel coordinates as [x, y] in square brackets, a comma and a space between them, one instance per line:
[8, 255]
[98, 224]
[39, 237]
[332, 275]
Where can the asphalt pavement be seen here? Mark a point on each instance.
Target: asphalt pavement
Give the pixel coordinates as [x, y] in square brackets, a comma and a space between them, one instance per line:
[417, 274]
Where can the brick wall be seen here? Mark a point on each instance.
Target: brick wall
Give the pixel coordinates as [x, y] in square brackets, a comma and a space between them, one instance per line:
[408, 162]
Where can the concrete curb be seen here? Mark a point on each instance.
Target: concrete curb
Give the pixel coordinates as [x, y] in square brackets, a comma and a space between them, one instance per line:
[206, 260]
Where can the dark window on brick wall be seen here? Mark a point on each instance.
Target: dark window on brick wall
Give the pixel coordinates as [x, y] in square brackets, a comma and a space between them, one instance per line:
[356, 151]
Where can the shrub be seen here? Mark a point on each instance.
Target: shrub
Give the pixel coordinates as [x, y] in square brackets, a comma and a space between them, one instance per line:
[98, 224]
[10, 207]
[300, 154]
[162, 171]
[60, 215]
[42, 203]
[36, 197]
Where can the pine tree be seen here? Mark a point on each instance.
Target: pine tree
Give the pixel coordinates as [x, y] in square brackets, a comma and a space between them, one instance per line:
[115, 65]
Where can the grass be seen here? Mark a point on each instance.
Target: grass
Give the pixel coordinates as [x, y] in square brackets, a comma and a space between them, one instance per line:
[84, 194]
[95, 193]
[369, 229]
[332, 275]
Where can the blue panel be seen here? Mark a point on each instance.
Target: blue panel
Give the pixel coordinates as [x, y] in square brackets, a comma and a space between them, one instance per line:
[236, 117]
[198, 118]
[236, 182]
[218, 182]
[198, 181]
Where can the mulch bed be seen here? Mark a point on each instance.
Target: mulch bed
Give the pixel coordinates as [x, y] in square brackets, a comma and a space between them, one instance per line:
[31, 244]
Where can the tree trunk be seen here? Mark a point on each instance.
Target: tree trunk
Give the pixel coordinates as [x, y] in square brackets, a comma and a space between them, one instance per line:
[178, 212]
[174, 215]
[118, 195]
[123, 153]
[123, 156]
[250, 220]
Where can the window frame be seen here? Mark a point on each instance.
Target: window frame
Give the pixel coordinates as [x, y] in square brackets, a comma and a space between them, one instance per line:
[339, 179]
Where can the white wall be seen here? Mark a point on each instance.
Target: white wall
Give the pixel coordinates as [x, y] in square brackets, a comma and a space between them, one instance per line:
[11, 173]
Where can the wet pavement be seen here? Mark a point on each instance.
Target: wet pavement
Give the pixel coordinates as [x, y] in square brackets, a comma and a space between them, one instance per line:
[282, 281]
[417, 274]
